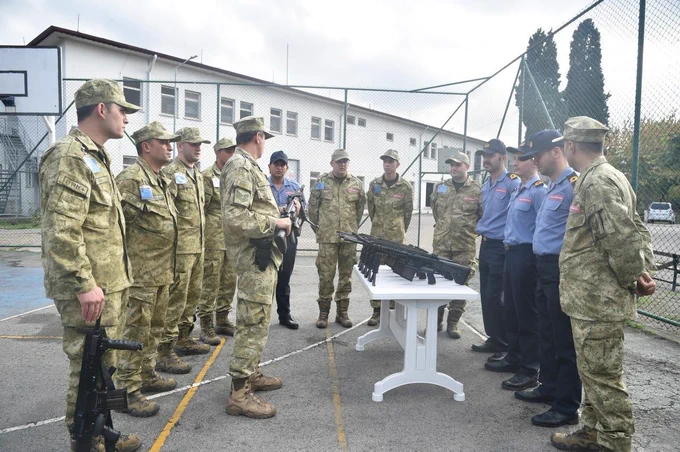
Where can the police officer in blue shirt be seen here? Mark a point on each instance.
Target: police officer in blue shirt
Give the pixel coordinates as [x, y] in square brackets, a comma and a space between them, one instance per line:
[496, 192]
[282, 187]
[519, 277]
[560, 385]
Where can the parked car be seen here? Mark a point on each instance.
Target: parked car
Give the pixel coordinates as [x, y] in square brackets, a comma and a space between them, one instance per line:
[660, 211]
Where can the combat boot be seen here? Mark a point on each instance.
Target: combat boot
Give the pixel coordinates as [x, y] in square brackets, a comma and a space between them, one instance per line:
[208, 335]
[128, 443]
[375, 318]
[186, 345]
[96, 444]
[140, 406]
[242, 401]
[259, 382]
[452, 320]
[583, 439]
[324, 310]
[168, 361]
[153, 382]
[224, 325]
[341, 313]
[440, 318]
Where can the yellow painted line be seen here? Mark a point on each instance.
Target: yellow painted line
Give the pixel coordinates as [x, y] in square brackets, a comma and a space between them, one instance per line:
[21, 336]
[165, 433]
[337, 404]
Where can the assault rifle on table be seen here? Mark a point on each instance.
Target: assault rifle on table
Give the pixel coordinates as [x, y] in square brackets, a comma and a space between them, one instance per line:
[407, 261]
[94, 404]
[298, 220]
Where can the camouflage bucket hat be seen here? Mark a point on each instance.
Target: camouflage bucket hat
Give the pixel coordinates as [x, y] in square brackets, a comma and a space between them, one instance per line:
[252, 124]
[584, 130]
[155, 130]
[224, 143]
[390, 153]
[103, 91]
[458, 157]
[191, 135]
[339, 154]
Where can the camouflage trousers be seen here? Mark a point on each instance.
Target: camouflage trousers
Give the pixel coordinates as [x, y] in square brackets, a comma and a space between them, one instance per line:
[332, 255]
[145, 322]
[607, 407]
[185, 292]
[252, 320]
[73, 341]
[219, 283]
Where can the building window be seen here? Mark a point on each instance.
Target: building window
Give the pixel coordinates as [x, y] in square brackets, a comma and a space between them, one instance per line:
[132, 89]
[192, 104]
[390, 136]
[329, 130]
[351, 120]
[433, 151]
[275, 120]
[478, 161]
[361, 122]
[129, 160]
[412, 141]
[316, 128]
[30, 180]
[168, 95]
[291, 123]
[313, 176]
[247, 109]
[426, 150]
[226, 111]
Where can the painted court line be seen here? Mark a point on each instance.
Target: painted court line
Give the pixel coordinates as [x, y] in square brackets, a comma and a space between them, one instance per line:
[474, 330]
[337, 404]
[27, 312]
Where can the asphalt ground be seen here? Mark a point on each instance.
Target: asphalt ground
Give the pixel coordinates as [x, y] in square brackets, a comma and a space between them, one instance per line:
[325, 403]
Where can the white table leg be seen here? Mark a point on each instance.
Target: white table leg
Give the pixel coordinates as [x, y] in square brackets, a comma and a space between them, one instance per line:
[382, 331]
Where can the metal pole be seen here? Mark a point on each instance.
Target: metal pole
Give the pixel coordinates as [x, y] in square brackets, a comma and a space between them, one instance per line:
[174, 113]
[420, 193]
[344, 124]
[533, 82]
[217, 127]
[507, 105]
[465, 125]
[521, 103]
[638, 96]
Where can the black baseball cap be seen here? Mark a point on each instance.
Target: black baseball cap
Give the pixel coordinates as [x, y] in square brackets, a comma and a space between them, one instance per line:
[539, 142]
[494, 146]
[278, 155]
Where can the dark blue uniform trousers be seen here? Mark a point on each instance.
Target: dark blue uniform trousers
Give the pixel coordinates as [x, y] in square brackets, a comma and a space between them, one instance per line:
[491, 262]
[283, 282]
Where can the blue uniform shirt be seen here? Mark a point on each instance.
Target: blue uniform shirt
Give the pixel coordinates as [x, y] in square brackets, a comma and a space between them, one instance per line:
[524, 204]
[495, 199]
[551, 221]
[289, 187]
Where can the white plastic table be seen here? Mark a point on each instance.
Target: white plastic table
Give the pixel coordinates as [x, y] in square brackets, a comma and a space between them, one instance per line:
[420, 354]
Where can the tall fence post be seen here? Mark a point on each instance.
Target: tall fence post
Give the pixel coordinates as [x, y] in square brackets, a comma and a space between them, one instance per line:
[217, 122]
[521, 102]
[420, 193]
[467, 97]
[638, 96]
[344, 124]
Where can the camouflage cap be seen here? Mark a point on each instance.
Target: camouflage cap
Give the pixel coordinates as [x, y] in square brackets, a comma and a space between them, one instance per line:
[390, 153]
[584, 129]
[191, 135]
[224, 143]
[339, 154]
[252, 124]
[458, 157]
[155, 130]
[102, 91]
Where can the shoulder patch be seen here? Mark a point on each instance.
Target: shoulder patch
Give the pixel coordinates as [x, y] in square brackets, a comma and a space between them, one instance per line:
[573, 177]
[513, 175]
[538, 183]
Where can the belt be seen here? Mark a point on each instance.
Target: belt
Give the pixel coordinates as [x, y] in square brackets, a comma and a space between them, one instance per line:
[487, 239]
[521, 246]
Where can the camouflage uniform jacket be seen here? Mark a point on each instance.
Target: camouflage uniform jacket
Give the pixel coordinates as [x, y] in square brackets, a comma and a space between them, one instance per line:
[456, 214]
[188, 195]
[606, 247]
[83, 228]
[336, 207]
[214, 232]
[151, 222]
[249, 210]
[390, 208]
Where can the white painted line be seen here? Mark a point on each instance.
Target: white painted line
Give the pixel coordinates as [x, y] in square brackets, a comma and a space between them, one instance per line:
[474, 330]
[32, 424]
[28, 312]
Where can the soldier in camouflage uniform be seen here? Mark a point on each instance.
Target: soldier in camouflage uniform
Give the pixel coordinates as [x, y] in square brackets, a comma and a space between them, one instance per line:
[456, 207]
[390, 205]
[336, 205]
[151, 223]
[85, 260]
[219, 276]
[251, 220]
[604, 263]
[186, 190]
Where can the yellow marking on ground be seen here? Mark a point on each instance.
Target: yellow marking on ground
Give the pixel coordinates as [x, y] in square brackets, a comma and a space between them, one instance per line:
[165, 433]
[337, 404]
[26, 336]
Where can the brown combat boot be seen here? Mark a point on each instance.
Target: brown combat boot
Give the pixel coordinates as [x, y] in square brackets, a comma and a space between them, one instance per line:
[242, 401]
[324, 310]
[259, 382]
[375, 318]
[153, 382]
[208, 335]
[140, 406]
[452, 320]
[96, 444]
[341, 313]
[128, 443]
[186, 345]
[168, 361]
[583, 439]
[223, 324]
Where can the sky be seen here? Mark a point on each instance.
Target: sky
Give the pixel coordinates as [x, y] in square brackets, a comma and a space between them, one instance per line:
[371, 43]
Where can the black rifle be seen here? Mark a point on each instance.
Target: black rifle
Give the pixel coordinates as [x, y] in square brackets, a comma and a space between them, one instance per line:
[94, 404]
[407, 261]
[296, 219]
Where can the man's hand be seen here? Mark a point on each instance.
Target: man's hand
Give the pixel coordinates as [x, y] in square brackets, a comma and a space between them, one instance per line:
[645, 285]
[92, 304]
[285, 224]
[296, 202]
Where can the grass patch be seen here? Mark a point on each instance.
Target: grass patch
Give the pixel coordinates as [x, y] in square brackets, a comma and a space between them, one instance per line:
[23, 223]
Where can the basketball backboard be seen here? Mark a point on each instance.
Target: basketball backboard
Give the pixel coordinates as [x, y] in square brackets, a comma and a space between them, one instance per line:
[30, 81]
